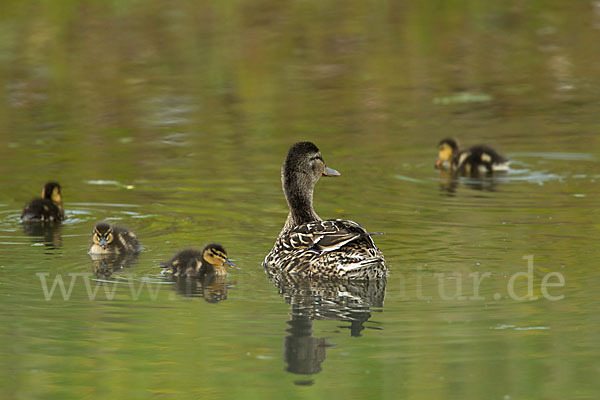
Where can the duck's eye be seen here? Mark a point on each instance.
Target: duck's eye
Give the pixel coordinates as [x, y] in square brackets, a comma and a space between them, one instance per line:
[109, 238]
[95, 238]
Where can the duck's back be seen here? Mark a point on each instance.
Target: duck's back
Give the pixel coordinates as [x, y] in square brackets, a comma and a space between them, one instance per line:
[480, 158]
[42, 210]
[126, 241]
[183, 262]
[333, 249]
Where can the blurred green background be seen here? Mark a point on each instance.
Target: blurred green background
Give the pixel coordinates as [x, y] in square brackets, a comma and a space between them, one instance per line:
[173, 118]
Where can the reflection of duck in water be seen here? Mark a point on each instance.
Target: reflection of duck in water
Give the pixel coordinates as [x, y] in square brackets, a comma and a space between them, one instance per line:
[41, 232]
[449, 182]
[309, 246]
[201, 273]
[48, 208]
[343, 300]
[105, 265]
[112, 239]
[303, 353]
[470, 162]
[212, 288]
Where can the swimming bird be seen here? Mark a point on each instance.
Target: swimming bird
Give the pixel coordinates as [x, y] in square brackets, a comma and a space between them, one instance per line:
[309, 246]
[108, 238]
[472, 161]
[48, 207]
[193, 263]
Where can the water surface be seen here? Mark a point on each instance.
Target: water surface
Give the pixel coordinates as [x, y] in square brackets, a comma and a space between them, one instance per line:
[173, 118]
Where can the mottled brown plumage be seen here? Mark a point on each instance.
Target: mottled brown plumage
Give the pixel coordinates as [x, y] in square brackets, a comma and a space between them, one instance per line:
[307, 245]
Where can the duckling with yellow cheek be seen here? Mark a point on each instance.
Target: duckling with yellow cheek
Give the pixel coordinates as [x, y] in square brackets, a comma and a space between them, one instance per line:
[193, 263]
[475, 160]
[112, 239]
[48, 207]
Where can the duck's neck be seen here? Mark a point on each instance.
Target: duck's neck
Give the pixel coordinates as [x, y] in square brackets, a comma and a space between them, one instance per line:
[299, 196]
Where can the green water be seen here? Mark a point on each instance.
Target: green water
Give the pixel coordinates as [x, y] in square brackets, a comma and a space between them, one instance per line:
[173, 118]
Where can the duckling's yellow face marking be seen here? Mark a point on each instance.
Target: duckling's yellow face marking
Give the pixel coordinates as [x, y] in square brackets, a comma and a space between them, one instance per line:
[103, 239]
[444, 153]
[56, 197]
[215, 257]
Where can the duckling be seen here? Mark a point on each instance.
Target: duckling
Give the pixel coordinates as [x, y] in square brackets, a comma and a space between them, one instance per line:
[193, 263]
[108, 238]
[476, 159]
[307, 245]
[48, 207]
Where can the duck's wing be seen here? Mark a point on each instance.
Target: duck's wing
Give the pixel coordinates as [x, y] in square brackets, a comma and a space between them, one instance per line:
[323, 236]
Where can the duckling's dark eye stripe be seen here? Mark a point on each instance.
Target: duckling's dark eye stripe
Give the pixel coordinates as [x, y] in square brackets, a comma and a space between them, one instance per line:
[317, 158]
[217, 253]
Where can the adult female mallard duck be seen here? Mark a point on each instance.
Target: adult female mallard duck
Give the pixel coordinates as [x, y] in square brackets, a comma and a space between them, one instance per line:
[48, 207]
[307, 245]
[472, 161]
[108, 239]
[193, 263]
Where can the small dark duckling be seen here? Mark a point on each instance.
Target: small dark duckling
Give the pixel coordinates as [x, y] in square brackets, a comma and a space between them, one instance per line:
[108, 238]
[48, 207]
[472, 161]
[193, 263]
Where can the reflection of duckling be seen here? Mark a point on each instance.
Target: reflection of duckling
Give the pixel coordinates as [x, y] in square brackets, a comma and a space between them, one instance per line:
[213, 288]
[109, 238]
[104, 265]
[46, 208]
[41, 232]
[194, 263]
[470, 162]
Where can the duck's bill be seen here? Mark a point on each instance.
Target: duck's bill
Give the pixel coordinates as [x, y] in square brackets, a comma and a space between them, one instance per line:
[439, 164]
[230, 264]
[330, 172]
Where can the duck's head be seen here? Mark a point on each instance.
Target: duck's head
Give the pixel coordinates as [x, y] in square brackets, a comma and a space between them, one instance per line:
[215, 255]
[103, 234]
[51, 191]
[305, 164]
[447, 148]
